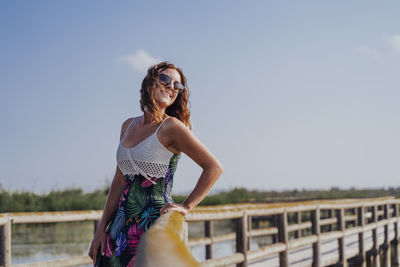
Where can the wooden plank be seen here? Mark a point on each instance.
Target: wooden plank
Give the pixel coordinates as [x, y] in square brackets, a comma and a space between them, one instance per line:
[354, 230]
[3, 220]
[266, 251]
[263, 231]
[214, 216]
[315, 230]
[349, 218]
[274, 208]
[298, 218]
[361, 239]
[265, 212]
[300, 226]
[386, 244]
[330, 214]
[224, 261]
[395, 241]
[331, 235]
[224, 212]
[370, 226]
[283, 238]
[341, 241]
[241, 239]
[380, 213]
[375, 247]
[5, 244]
[72, 261]
[300, 208]
[391, 211]
[54, 216]
[208, 232]
[303, 241]
[327, 221]
[384, 222]
[214, 239]
[203, 241]
[337, 203]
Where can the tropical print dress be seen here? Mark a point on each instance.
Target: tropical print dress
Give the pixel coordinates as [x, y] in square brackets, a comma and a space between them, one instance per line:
[148, 169]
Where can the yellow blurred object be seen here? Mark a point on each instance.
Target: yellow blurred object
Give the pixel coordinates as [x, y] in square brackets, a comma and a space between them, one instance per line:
[163, 245]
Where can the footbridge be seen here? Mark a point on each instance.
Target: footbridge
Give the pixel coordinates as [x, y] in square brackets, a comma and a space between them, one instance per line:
[345, 232]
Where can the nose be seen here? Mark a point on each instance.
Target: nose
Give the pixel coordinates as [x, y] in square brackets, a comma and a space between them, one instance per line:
[169, 86]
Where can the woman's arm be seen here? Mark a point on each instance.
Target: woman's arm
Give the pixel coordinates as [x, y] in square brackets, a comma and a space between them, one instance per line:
[180, 138]
[113, 196]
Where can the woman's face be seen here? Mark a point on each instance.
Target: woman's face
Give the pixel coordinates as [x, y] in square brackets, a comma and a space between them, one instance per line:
[165, 95]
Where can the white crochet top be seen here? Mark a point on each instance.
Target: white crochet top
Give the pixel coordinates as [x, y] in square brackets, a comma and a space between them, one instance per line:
[149, 158]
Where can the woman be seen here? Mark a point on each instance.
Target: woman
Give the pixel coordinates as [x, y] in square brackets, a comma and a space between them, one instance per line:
[150, 147]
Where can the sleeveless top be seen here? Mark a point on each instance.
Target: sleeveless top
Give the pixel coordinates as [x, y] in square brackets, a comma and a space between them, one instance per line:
[148, 169]
[149, 158]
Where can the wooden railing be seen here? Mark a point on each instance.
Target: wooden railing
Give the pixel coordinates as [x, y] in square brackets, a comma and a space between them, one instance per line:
[6, 219]
[294, 226]
[291, 229]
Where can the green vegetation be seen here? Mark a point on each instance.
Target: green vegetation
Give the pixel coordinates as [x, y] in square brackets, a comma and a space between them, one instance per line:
[77, 199]
[68, 199]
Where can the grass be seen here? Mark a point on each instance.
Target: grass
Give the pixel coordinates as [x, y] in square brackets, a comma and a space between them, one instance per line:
[77, 199]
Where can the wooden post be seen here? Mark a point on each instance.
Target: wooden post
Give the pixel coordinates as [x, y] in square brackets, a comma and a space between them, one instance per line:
[297, 234]
[275, 238]
[283, 237]
[208, 232]
[342, 245]
[375, 248]
[241, 238]
[316, 229]
[330, 214]
[249, 227]
[395, 241]
[5, 244]
[361, 240]
[386, 244]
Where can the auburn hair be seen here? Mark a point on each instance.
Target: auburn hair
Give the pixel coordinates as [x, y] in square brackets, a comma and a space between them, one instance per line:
[179, 109]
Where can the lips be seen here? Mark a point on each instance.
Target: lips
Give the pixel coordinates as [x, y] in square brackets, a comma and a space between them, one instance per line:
[167, 94]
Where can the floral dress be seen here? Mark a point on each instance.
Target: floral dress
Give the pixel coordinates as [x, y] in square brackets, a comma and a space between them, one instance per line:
[148, 169]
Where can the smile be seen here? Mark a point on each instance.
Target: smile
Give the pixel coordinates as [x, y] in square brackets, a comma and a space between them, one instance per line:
[167, 94]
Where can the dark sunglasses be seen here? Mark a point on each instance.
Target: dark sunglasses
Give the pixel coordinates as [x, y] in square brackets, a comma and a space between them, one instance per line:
[165, 80]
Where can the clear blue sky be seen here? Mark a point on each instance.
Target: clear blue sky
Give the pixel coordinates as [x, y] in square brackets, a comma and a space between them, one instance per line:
[287, 94]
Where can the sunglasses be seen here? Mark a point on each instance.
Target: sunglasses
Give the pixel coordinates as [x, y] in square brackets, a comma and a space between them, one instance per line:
[165, 80]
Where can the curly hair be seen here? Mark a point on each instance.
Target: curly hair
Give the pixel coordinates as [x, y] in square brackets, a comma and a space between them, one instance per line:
[179, 109]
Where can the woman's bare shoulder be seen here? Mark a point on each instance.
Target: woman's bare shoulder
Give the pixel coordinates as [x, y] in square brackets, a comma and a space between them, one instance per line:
[126, 124]
[173, 124]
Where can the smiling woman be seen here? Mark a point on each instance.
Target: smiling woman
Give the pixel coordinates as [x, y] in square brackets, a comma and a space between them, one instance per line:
[147, 156]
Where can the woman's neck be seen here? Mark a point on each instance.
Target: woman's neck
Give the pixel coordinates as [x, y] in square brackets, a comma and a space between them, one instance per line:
[148, 118]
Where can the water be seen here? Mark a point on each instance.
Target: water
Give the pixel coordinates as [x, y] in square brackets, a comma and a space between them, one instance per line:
[49, 241]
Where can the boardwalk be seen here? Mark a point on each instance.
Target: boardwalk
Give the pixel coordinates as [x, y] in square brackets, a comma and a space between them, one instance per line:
[356, 232]
[329, 250]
